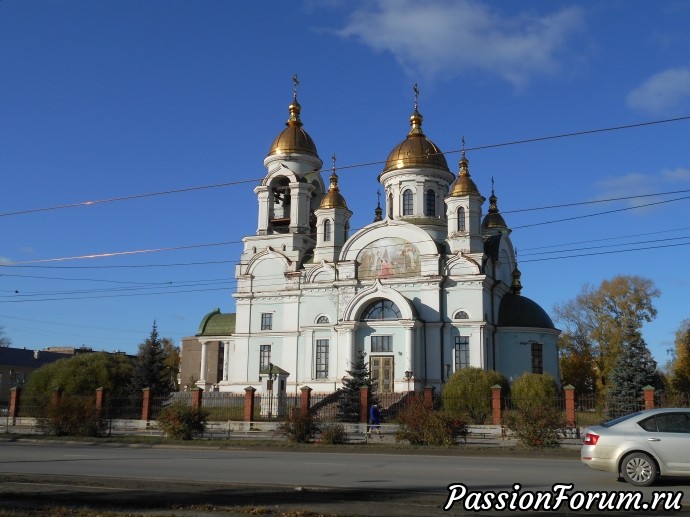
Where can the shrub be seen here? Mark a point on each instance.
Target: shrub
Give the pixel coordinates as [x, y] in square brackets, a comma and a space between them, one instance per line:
[182, 422]
[333, 434]
[423, 426]
[72, 417]
[534, 389]
[299, 427]
[81, 374]
[468, 392]
[537, 426]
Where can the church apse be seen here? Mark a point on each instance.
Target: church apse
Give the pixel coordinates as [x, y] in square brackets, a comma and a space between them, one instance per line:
[390, 257]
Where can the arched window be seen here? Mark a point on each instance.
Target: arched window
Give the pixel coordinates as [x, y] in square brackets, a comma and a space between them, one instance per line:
[461, 219]
[381, 310]
[408, 202]
[327, 230]
[322, 320]
[461, 315]
[390, 206]
[430, 207]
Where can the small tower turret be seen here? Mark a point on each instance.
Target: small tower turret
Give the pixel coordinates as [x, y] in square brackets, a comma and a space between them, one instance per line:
[332, 222]
[464, 211]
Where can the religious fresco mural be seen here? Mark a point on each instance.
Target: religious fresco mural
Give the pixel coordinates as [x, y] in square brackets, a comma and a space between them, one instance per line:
[389, 257]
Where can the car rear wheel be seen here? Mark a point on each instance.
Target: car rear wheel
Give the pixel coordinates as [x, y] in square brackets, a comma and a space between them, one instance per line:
[639, 469]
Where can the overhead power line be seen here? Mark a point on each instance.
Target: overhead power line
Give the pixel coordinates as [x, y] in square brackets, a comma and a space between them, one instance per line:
[205, 245]
[595, 201]
[129, 198]
[120, 253]
[276, 280]
[343, 167]
[636, 207]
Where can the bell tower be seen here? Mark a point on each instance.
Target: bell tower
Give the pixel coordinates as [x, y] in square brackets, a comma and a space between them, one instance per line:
[290, 192]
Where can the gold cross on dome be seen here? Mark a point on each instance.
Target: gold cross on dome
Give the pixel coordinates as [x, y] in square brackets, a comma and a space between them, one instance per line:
[295, 81]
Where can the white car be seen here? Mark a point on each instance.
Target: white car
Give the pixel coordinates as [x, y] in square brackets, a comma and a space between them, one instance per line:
[641, 446]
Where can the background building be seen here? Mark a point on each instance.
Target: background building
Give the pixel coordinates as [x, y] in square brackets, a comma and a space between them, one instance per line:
[17, 365]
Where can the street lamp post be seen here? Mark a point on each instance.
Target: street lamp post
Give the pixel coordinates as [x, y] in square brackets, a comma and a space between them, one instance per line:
[408, 376]
[271, 377]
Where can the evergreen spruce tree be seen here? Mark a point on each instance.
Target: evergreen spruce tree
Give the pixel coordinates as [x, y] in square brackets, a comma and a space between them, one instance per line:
[150, 368]
[634, 369]
[357, 377]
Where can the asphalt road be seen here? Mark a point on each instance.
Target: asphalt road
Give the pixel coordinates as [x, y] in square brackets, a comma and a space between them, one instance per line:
[325, 482]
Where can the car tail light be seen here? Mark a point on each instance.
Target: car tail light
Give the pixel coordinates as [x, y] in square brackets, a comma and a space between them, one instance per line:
[591, 439]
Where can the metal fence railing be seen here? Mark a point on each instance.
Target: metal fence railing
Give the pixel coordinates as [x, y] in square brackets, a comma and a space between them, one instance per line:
[122, 408]
[223, 406]
[590, 409]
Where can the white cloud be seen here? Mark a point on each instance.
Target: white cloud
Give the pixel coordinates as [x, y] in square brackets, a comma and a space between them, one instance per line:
[678, 175]
[436, 37]
[632, 184]
[4, 261]
[663, 92]
[638, 184]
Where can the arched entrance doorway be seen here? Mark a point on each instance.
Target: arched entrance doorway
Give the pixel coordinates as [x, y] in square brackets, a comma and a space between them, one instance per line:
[382, 342]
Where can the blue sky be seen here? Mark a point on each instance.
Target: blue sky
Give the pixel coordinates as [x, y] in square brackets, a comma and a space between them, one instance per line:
[115, 99]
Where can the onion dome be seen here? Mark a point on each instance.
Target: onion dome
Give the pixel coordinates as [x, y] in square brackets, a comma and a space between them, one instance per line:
[416, 150]
[464, 184]
[378, 211]
[519, 311]
[333, 198]
[293, 139]
[493, 219]
[516, 286]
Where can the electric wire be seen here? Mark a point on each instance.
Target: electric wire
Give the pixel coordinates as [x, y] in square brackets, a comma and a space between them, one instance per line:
[276, 281]
[344, 167]
[225, 243]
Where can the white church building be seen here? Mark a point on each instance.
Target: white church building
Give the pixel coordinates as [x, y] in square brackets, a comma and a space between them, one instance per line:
[431, 286]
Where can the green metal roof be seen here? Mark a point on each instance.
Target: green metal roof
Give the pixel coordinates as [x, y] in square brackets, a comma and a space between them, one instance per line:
[273, 370]
[217, 324]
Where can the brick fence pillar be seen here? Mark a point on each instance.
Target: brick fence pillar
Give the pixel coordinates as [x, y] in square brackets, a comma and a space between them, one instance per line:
[196, 397]
[15, 395]
[648, 397]
[56, 396]
[496, 404]
[364, 404]
[305, 400]
[146, 405]
[569, 392]
[249, 403]
[429, 397]
[100, 399]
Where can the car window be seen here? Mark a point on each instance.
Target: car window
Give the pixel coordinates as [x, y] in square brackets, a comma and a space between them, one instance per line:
[672, 423]
[667, 423]
[648, 424]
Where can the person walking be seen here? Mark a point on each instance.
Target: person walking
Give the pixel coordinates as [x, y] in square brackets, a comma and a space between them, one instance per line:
[374, 419]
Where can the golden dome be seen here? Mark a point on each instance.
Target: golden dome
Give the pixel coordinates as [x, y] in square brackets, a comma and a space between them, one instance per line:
[464, 184]
[293, 139]
[416, 150]
[333, 198]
